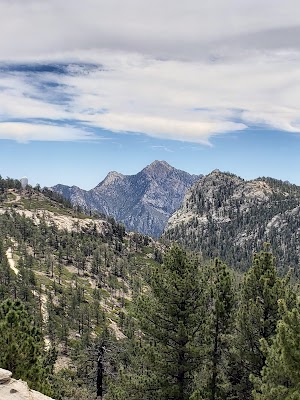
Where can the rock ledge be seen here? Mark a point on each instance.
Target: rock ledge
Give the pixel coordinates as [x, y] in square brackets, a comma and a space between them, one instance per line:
[12, 389]
[5, 376]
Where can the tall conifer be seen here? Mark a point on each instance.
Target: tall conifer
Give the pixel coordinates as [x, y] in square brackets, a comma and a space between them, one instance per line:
[170, 314]
[257, 318]
[280, 378]
[219, 326]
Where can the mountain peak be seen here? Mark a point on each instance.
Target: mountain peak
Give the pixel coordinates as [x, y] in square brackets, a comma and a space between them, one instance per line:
[111, 177]
[158, 167]
[159, 164]
[143, 201]
[217, 174]
[114, 174]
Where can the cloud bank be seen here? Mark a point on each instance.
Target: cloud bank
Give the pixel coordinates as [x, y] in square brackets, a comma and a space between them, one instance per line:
[169, 70]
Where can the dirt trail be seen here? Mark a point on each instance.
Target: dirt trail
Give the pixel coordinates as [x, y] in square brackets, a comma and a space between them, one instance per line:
[11, 261]
[44, 311]
[16, 198]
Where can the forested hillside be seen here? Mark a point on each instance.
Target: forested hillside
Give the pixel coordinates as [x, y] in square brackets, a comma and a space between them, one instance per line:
[225, 216]
[74, 275]
[89, 310]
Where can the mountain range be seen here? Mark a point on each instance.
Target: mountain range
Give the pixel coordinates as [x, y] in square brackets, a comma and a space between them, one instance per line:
[143, 202]
[225, 216]
[219, 215]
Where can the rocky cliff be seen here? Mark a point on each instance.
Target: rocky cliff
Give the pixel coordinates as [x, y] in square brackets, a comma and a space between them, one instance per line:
[143, 202]
[225, 216]
[12, 389]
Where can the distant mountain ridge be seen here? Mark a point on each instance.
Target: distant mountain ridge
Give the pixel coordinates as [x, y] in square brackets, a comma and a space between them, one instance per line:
[143, 202]
[225, 216]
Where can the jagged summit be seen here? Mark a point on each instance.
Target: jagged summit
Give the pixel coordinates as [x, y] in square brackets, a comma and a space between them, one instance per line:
[111, 177]
[158, 165]
[114, 174]
[143, 202]
[156, 168]
[216, 172]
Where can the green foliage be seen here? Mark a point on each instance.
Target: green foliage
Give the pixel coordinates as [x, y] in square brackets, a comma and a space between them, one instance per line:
[257, 318]
[170, 315]
[218, 327]
[280, 377]
[232, 219]
[22, 347]
[185, 331]
[5, 185]
[57, 197]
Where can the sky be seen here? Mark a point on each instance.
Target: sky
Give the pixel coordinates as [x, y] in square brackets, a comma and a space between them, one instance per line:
[87, 87]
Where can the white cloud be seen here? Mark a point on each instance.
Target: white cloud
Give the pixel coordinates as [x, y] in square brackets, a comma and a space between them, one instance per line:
[170, 28]
[25, 132]
[166, 128]
[176, 70]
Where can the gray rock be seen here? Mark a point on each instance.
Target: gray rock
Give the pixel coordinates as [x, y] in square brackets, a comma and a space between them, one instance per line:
[228, 217]
[5, 375]
[12, 389]
[143, 202]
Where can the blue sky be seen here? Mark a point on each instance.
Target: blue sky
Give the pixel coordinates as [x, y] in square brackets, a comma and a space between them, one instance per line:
[90, 87]
[249, 154]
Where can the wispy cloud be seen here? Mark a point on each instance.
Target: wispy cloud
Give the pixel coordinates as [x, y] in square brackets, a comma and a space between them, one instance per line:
[24, 132]
[164, 148]
[174, 71]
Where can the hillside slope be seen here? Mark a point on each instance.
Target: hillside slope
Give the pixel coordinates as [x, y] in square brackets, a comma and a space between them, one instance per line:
[223, 215]
[76, 275]
[143, 202]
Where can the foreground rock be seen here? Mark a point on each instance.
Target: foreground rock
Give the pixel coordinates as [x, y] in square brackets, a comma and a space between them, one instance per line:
[5, 376]
[12, 389]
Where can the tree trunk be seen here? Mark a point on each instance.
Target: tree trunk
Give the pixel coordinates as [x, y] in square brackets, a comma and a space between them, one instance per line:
[100, 373]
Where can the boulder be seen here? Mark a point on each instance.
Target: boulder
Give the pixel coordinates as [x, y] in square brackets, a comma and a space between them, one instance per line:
[5, 376]
[12, 389]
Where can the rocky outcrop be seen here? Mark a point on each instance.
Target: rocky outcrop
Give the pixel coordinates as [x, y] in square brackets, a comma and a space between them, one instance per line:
[225, 216]
[12, 389]
[143, 202]
[5, 376]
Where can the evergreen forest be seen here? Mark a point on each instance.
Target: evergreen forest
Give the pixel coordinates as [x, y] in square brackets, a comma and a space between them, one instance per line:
[90, 311]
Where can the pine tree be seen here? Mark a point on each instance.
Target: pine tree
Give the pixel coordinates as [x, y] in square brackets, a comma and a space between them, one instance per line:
[170, 314]
[22, 347]
[218, 325]
[280, 378]
[257, 318]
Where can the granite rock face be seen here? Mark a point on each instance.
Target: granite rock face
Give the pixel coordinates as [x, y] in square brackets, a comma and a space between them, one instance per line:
[12, 389]
[225, 216]
[143, 202]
